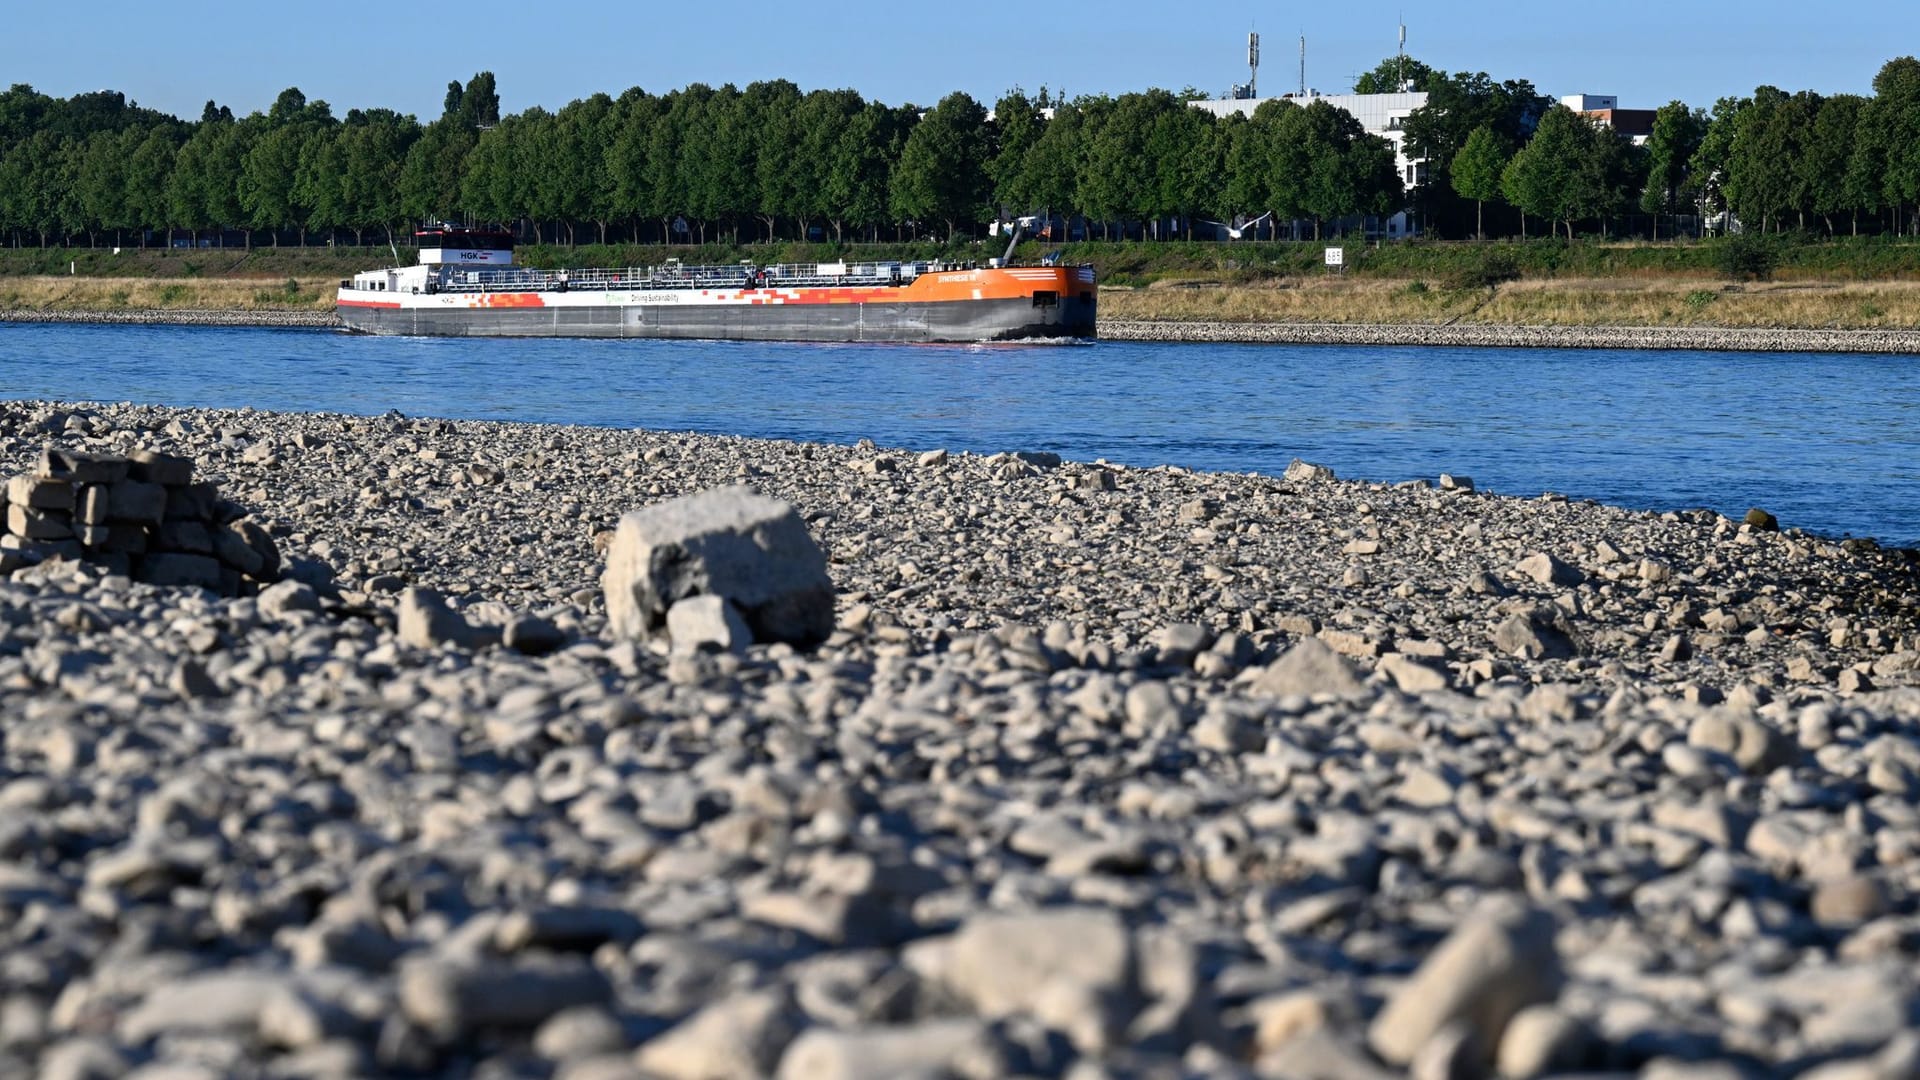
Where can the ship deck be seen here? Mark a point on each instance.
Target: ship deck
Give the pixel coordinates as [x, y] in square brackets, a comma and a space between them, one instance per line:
[672, 277]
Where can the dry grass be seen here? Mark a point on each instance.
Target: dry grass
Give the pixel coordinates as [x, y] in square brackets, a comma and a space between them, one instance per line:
[121, 294]
[1593, 302]
[1563, 302]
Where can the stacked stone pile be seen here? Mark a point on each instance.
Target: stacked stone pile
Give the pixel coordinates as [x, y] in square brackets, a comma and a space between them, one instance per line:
[140, 515]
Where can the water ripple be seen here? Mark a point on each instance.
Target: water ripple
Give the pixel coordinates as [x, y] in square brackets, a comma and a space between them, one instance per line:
[1827, 442]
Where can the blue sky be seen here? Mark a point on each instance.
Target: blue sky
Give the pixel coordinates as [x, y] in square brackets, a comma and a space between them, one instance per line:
[175, 56]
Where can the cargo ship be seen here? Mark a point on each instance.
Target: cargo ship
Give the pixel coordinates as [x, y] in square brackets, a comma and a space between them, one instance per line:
[466, 285]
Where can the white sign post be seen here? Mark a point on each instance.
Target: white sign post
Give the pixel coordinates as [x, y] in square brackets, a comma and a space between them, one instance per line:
[1337, 259]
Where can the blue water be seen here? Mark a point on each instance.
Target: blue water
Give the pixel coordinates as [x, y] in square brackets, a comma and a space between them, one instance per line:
[1828, 442]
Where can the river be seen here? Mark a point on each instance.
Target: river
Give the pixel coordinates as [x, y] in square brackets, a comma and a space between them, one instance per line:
[1827, 442]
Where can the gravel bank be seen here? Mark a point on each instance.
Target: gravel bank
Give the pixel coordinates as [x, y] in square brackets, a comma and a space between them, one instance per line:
[1521, 337]
[1505, 337]
[1105, 772]
[161, 317]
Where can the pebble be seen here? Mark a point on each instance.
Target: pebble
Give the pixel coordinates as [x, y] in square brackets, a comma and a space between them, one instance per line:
[1492, 966]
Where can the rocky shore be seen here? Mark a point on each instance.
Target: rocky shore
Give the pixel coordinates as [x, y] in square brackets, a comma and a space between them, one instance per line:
[180, 317]
[1904, 342]
[1101, 772]
[1778, 339]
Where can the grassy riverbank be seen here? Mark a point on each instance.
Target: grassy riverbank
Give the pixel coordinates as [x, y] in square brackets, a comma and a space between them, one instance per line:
[91, 294]
[1570, 302]
[1553, 302]
[1855, 284]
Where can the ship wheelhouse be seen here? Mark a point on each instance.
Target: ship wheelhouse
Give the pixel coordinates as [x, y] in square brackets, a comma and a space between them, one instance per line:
[455, 245]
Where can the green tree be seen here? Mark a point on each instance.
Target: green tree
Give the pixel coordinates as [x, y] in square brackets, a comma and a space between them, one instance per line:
[1017, 127]
[1134, 161]
[491, 190]
[202, 189]
[860, 175]
[23, 112]
[567, 164]
[1821, 173]
[31, 181]
[669, 175]
[372, 147]
[267, 179]
[478, 105]
[1335, 161]
[1570, 170]
[1677, 131]
[1476, 169]
[100, 180]
[436, 165]
[1896, 111]
[149, 168]
[1712, 161]
[1861, 184]
[1394, 73]
[1759, 162]
[1248, 149]
[1456, 106]
[717, 160]
[1050, 170]
[825, 116]
[1185, 172]
[634, 115]
[942, 170]
[772, 125]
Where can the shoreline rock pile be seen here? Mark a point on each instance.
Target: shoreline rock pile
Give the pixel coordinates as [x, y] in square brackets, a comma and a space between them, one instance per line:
[279, 320]
[1098, 772]
[1461, 335]
[139, 515]
[1455, 335]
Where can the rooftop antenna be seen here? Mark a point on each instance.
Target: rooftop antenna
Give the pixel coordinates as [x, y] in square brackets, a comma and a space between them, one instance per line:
[1402, 79]
[1253, 65]
[1303, 67]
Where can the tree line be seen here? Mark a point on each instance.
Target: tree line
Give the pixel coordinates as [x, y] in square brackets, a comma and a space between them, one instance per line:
[698, 163]
[769, 161]
[1771, 161]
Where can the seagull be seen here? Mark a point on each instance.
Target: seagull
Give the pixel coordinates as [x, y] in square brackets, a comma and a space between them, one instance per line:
[1239, 231]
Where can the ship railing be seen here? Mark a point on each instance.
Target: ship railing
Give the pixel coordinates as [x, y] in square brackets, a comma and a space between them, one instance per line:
[673, 277]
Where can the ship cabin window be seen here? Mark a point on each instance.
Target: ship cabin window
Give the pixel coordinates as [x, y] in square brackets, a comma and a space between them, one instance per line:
[1045, 298]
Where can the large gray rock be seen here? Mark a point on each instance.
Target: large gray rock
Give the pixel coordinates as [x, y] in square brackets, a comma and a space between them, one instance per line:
[215, 1001]
[426, 622]
[740, 1036]
[1310, 668]
[733, 542]
[453, 1000]
[707, 622]
[1072, 969]
[1547, 570]
[174, 568]
[958, 1048]
[1501, 960]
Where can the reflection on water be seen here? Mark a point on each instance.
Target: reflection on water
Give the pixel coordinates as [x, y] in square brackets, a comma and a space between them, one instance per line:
[1827, 442]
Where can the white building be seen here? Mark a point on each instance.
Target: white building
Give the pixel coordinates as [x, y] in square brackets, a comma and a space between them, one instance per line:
[1384, 115]
[1584, 103]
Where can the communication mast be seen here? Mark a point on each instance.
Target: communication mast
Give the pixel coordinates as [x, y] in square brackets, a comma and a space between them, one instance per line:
[1253, 65]
[1401, 80]
[1303, 67]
